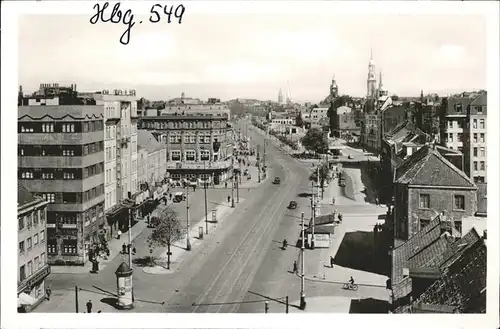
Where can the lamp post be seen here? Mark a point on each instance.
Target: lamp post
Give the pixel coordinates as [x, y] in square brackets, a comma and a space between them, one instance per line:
[206, 207]
[302, 275]
[258, 162]
[313, 214]
[188, 242]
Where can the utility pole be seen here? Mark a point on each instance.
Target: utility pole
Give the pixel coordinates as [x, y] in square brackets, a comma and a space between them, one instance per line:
[188, 242]
[76, 299]
[129, 238]
[232, 191]
[266, 306]
[302, 275]
[206, 207]
[313, 213]
[237, 190]
[258, 162]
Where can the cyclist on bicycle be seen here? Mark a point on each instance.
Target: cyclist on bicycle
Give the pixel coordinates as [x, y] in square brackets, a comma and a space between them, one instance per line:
[285, 244]
[351, 281]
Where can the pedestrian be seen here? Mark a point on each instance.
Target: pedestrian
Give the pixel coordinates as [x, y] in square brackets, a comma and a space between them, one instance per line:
[124, 248]
[170, 195]
[295, 268]
[119, 234]
[134, 251]
[228, 199]
[376, 201]
[331, 261]
[89, 306]
[48, 292]
[194, 188]
[225, 185]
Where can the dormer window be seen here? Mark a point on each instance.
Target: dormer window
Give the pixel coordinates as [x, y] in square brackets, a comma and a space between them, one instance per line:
[458, 108]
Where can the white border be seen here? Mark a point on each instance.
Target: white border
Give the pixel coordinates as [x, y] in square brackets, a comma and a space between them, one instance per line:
[10, 318]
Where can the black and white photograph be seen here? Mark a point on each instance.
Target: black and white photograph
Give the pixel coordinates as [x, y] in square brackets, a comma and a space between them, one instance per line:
[251, 158]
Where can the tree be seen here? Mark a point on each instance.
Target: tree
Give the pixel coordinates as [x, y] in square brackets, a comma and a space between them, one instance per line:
[315, 141]
[299, 122]
[167, 230]
[324, 175]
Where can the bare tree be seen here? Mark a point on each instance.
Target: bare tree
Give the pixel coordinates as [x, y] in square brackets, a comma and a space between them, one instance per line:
[167, 230]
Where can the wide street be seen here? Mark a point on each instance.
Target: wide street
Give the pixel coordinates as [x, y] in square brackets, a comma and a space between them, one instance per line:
[241, 260]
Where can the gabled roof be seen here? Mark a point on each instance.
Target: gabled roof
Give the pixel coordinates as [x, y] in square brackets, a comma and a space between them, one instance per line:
[428, 167]
[146, 140]
[462, 287]
[480, 100]
[431, 247]
[25, 197]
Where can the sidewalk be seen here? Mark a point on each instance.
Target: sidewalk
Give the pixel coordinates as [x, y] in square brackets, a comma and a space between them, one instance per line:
[179, 254]
[115, 247]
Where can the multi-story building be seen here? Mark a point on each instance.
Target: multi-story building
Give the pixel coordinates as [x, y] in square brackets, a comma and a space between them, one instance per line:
[370, 132]
[427, 184]
[463, 128]
[61, 158]
[199, 145]
[120, 157]
[156, 154]
[32, 253]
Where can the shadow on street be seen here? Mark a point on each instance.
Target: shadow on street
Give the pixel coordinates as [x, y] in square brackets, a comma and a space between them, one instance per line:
[369, 305]
[357, 252]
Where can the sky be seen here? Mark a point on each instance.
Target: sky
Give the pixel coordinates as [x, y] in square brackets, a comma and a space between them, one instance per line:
[231, 56]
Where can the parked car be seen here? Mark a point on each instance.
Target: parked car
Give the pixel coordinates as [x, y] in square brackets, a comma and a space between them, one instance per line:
[349, 156]
[292, 205]
[277, 180]
[179, 196]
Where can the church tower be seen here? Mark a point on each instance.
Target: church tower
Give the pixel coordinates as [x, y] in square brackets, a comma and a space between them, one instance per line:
[288, 93]
[334, 89]
[280, 97]
[371, 82]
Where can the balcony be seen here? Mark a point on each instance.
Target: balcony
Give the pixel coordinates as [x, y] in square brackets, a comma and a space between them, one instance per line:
[33, 279]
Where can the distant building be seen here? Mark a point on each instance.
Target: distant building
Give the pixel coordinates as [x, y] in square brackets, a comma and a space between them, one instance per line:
[346, 124]
[199, 145]
[280, 96]
[32, 252]
[156, 170]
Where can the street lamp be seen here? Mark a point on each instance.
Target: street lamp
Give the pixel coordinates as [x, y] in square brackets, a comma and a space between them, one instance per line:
[188, 242]
[205, 189]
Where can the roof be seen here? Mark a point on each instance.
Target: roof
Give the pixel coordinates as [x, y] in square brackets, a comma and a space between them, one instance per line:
[77, 112]
[324, 219]
[25, 197]
[428, 167]
[454, 100]
[462, 287]
[480, 100]
[430, 247]
[146, 140]
[482, 199]
[344, 110]
[321, 229]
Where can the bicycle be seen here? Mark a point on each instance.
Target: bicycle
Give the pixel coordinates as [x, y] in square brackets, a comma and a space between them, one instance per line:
[350, 286]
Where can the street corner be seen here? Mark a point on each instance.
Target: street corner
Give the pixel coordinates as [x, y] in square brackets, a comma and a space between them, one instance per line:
[157, 270]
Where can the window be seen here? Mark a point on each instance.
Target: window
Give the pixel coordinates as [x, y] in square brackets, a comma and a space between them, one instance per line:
[29, 243]
[482, 165]
[482, 151]
[459, 202]
[42, 236]
[35, 239]
[482, 139]
[474, 123]
[458, 108]
[29, 268]
[42, 259]
[480, 109]
[475, 151]
[450, 124]
[69, 247]
[424, 223]
[450, 137]
[425, 200]
[475, 137]
[175, 155]
[204, 155]
[481, 124]
[37, 263]
[460, 124]
[475, 165]
[190, 155]
[52, 247]
[21, 247]
[21, 223]
[50, 197]
[458, 226]
[47, 127]
[22, 273]
[68, 128]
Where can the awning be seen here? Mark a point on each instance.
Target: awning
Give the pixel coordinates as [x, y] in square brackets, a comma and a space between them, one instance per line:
[25, 299]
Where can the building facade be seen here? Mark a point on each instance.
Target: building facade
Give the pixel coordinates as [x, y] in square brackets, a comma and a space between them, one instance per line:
[120, 156]
[155, 170]
[199, 145]
[32, 253]
[464, 128]
[426, 184]
[61, 159]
